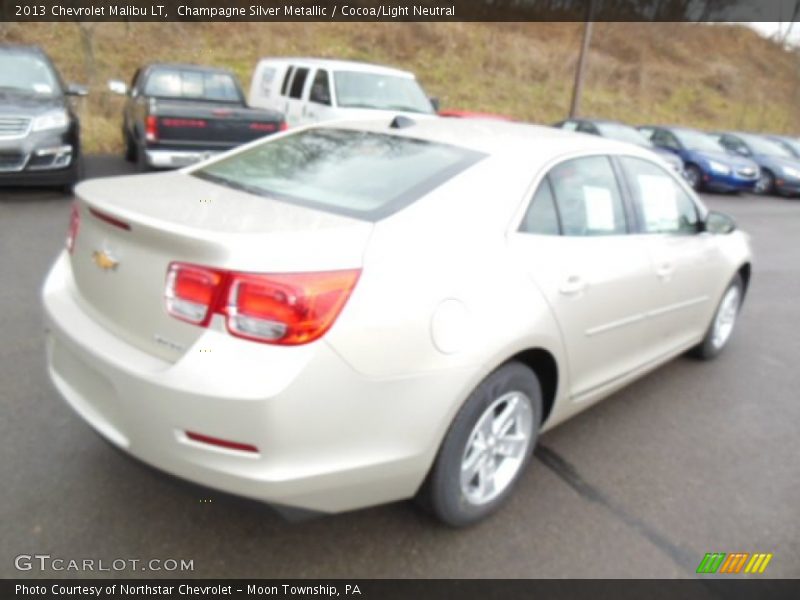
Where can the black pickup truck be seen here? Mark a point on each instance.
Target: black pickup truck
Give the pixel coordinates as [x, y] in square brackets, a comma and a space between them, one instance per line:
[176, 115]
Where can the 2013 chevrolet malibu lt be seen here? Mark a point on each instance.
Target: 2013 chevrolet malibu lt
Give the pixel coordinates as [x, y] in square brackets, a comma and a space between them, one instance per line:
[354, 313]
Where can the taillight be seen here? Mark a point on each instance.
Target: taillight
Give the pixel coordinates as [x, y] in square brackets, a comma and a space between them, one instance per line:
[74, 225]
[286, 308]
[284, 126]
[191, 292]
[151, 128]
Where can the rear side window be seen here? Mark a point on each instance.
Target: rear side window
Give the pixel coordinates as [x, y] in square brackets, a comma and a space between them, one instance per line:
[286, 79]
[663, 205]
[588, 198]
[298, 82]
[361, 174]
[321, 88]
[541, 216]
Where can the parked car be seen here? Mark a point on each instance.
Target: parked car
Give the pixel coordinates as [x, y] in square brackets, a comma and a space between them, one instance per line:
[39, 130]
[177, 114]
[469, 114]
[311, 90]
[791, 144]
[622, 132]
[310, 338]
[707, 165]
[780, 170]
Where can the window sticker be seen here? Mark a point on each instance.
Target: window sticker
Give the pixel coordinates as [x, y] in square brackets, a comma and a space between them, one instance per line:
[599, 206]
[659, 202]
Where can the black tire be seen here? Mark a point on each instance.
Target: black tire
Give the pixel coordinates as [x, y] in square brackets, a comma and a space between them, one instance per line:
[442, 492]
[141, 160]
[130, 147]
[695, 177]
[709, 348]
[765, 185]
[75, 176]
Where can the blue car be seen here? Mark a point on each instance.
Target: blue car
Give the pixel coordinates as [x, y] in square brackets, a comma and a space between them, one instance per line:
[780, 170]
[707, 165]
[623, 133]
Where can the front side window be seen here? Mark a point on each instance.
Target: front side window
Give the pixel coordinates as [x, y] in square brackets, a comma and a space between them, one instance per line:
[663, 205]
[541, 217]
[665, 139]
[362, 174]
[588, 198]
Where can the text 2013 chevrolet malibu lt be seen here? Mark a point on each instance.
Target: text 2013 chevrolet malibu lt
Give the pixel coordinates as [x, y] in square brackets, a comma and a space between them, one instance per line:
[356, 313]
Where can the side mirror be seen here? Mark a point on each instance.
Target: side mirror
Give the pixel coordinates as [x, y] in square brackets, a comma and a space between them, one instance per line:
[73, 89]
[435, 104]
[719, 223]
[117, 87]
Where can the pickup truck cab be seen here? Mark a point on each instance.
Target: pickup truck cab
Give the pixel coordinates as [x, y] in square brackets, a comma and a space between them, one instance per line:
[311, 90]
[178, 114]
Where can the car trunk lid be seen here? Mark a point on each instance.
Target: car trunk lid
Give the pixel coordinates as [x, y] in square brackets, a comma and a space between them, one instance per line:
[133, 228]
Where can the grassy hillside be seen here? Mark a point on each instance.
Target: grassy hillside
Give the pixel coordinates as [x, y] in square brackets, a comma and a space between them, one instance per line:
[700, 75]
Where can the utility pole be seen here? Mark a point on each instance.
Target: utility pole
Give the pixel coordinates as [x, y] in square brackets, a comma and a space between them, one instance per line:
[580, 71]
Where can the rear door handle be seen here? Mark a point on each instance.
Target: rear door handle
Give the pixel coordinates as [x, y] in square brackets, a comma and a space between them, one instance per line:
[574, 284]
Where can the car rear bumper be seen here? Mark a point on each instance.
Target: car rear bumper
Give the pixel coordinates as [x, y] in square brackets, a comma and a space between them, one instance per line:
[174, 159]
[328, 439]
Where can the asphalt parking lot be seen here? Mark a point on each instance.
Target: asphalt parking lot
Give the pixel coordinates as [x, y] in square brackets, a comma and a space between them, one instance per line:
[696, 457]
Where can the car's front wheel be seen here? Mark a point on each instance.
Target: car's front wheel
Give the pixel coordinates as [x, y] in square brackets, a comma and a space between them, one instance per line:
[487, 448]
[765, 184]
[694, 176]
[722, 325]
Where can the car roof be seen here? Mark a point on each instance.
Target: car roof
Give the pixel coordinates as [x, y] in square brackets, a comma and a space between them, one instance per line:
[339, 65]
[23, 48]
[188, 67]
[501, 138]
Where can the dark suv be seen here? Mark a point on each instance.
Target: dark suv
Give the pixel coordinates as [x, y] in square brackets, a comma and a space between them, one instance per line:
[39, 131]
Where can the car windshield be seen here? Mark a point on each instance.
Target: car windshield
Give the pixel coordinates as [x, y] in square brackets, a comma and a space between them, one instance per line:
[623, 133]
[189, 84]
[697, 140]
[356, 173]
[25, 73]
[763, 146]
[356, 89]
[793, 144]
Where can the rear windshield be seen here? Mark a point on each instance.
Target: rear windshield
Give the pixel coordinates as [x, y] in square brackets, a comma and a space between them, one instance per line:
[192, 85]
[361, 174]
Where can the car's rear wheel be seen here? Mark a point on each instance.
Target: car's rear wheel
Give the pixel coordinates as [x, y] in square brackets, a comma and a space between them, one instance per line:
[723, 323]
[487, 447]
[695, 177]
[765, 184]
[130, 147]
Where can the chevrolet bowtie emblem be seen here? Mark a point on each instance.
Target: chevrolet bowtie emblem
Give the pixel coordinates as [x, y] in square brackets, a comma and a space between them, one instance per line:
[104, 260]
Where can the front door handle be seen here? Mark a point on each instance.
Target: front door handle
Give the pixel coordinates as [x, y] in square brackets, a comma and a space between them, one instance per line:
[665, 270]
[574, 284]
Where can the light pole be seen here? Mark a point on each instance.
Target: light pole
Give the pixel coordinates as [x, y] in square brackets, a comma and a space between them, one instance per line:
[580, 71]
